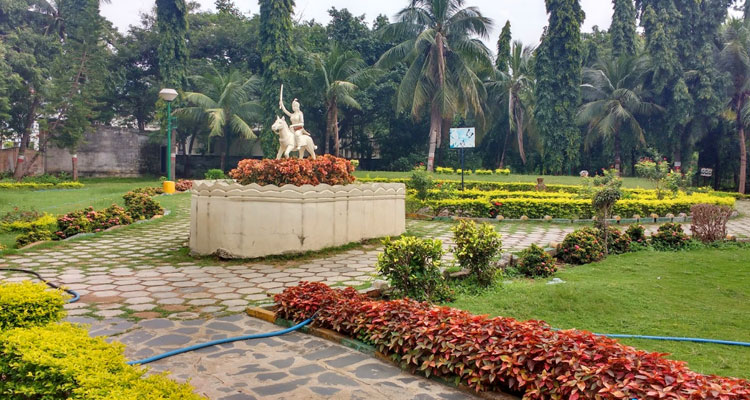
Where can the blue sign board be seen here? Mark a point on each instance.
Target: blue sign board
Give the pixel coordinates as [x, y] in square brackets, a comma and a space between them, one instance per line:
[462, 138]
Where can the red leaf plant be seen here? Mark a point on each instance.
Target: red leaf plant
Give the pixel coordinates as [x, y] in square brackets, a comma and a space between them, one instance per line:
[326, 169]
[503, 353]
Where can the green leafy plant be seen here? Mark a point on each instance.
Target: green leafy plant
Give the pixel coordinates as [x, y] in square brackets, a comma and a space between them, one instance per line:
[216, 173]
[582, 246]
[422, 182]
[26, 304]
[33, 236]
[618, 242]
[637, 234]
[670, 236]
[412, 266]
[141, 206]
[534, 262]
[476, 247]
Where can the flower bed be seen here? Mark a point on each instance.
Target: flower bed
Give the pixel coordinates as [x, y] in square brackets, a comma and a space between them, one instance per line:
[503, 353]
[325, 169]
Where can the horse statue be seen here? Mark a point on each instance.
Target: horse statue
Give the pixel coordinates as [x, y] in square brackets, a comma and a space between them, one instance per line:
[289, 142]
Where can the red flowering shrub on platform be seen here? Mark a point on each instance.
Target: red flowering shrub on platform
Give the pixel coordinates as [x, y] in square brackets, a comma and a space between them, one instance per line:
[503, 353]
[325, 169]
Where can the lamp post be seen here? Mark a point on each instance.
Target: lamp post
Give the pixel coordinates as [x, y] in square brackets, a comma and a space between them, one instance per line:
[169, 95]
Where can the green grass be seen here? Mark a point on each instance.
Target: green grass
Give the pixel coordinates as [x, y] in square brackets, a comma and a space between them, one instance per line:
[548, 179]
[699, 293]
[99, 193]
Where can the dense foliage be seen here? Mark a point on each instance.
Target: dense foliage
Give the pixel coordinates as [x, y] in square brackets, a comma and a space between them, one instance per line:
[476, 248]
[412, 266]
[669, 236]
[326, 169]
[534, 262]
[27, 304]
[582, 246]
[502, 353]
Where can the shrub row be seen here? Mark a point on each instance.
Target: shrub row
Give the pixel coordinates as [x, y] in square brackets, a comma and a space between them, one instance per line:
[437, 194]
[28, 304]
[569, 207]
[45, 360]
[325, 169]
[503, 353]
[448, 170]
[37, 186]
[44, 222]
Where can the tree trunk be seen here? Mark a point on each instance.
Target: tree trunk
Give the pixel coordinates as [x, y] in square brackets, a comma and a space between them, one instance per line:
[505, 148]
[743, 159]
[225, 153]
[618, 153]
[335, 122]
[188, 152]
[435, 127]
[329, 129]
[20, 170]
[74, 158]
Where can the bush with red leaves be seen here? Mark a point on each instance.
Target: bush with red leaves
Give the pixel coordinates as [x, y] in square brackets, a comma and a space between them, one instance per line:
[326, 169]
[503, 353]
[183, 185]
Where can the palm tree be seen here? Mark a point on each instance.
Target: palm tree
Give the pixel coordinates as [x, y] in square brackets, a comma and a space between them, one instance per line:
[440, 41]
[228, 101]
[516, 90]
[735, 59]
[341, 72]
[612, 99]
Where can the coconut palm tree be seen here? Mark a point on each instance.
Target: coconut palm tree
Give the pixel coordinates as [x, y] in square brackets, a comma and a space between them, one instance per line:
[735, 59]
[229, 103]
[342, 73]
[613, 96]
[440, 41]
[515, 89]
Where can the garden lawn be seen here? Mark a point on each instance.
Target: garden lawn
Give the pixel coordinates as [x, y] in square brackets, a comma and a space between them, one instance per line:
[99, 193]
[548, 179]
[699, 293]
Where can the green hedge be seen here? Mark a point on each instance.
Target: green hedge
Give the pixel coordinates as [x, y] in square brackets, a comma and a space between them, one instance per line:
[28, 304]
[61, 361]
[571, 208]
[36, 186]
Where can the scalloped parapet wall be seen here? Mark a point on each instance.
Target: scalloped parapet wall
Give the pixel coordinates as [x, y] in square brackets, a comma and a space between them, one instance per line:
[247, 221]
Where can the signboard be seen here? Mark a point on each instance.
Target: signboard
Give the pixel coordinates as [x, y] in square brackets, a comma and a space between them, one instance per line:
[707, 172]
[462, 138]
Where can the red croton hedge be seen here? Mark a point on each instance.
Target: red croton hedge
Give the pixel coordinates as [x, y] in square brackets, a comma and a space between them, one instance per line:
[503, 353]
[325, 169]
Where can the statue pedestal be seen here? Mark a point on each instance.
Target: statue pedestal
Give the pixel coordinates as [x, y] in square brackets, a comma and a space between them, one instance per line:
[247, 221]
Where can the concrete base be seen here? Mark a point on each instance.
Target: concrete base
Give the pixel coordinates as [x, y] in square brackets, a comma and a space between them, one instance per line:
[247, 221]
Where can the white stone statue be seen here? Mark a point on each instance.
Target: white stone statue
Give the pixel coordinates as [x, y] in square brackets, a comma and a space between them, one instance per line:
[288, 142]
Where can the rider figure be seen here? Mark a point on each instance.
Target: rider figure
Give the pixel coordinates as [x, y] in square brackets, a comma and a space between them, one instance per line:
[297, 119]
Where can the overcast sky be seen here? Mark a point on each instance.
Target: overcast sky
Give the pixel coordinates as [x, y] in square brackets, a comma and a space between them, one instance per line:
[527, 17]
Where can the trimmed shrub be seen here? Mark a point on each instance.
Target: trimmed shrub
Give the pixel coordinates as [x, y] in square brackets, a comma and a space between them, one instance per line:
[582, 246]
[216, 173]
[33, 236]
[618, 241]
[476, 247]
[637, 233]
[325, 169]
[444, 170]
[141, 206]
[149, 190]
[503, 353]
[670, 236]
[26, 304]
[709, 222]
[422, 183]
[183, 185]
[61, 361]
[412, 266]
[536, 263]
[37, 186]
[44, 222]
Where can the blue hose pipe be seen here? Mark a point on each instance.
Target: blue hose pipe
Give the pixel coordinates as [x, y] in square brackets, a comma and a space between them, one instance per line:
[73, 293]
[221, 341]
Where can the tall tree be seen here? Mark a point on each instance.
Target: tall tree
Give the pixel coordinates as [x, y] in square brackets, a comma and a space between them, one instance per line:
[503, 49]
[622, 29]
[441, 42]
[276, 57]
[172, 25]
[735, 59]
[341, 73]
[228, 102]
[515, 88]
[558, 74]
[613, 98]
